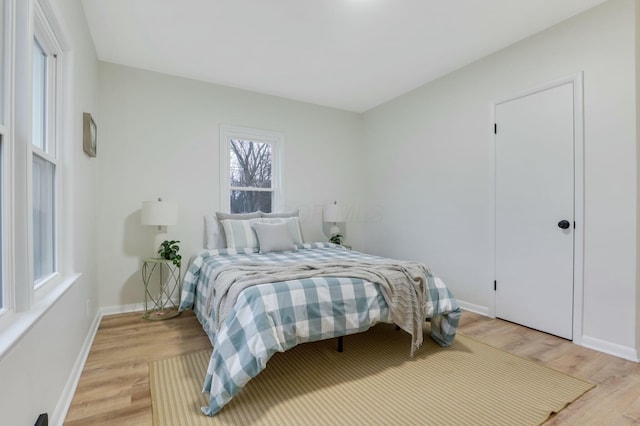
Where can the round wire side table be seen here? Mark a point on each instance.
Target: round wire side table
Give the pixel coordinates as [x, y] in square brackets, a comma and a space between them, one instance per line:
[161, 297]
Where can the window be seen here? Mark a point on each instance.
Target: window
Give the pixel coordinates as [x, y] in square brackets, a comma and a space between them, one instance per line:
[30, 94]
[43, 219]
[44, 151]
[250, 174]
[250, 170]
[39, 96]
[33, 126]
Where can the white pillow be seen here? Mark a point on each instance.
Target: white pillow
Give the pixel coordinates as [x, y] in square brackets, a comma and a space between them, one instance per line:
[273, 237]
[239, 233]
[293, 225]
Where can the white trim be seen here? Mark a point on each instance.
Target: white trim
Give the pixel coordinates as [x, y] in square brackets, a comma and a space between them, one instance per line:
[22, 260]
[578, 209]
[599, 345]
[477, 309]
[5, 62]
[578, 202]
[45, 35]
[64, 402]
[6, 180]
[47, 29]
[225, 190]
[250, 188]
[491, 310]
[51, 278]
[133, 307]
[614, 349]
[122, 309]
[65, 133]
[228, 132]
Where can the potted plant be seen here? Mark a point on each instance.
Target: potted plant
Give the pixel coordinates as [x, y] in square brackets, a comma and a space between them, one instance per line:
[169, 250]
[336, 239]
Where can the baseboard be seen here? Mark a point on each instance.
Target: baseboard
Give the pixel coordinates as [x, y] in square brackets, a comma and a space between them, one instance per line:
[122, 309]
[614, 349]
[60, 412]
[64, 402]
[480, 310]
[125, 309]
[599, 345]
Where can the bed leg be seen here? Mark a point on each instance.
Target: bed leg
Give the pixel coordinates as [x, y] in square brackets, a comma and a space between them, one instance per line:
[340, 344]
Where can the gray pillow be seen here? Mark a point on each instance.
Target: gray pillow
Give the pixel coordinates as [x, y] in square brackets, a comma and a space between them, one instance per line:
[240, 234]
[214, 234]
[273, 237]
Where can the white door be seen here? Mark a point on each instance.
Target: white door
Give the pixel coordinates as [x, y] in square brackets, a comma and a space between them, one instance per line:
[535, 210]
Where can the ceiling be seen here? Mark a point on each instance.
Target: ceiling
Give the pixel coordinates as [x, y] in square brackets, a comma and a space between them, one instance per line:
[347, 54]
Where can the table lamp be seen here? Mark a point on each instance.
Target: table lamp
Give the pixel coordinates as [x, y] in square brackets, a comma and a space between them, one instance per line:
[332, 213]
[161, 214]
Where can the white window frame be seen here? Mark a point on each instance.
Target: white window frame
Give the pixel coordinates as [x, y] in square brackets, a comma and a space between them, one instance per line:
[275, 139]
[45, 35]
[5, 39]
[23, 303]
[6, 84]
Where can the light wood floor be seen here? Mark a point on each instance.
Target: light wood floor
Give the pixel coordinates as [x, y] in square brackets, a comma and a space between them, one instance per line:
[114, 386]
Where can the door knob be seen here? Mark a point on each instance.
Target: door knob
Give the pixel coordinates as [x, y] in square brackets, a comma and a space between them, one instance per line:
[564, 224]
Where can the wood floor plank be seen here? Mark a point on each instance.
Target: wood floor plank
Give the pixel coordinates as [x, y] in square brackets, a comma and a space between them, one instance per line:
[114, 385]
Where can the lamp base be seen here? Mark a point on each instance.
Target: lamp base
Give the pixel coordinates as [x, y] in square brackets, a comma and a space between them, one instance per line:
[158, 237]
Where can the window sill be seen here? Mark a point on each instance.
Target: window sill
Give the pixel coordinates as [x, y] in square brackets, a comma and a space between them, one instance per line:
[15, 325]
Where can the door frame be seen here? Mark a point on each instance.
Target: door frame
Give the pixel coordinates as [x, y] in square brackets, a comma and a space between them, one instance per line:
[578, 198]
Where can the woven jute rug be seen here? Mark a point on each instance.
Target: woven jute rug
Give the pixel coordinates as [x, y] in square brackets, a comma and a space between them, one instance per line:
[374, 381]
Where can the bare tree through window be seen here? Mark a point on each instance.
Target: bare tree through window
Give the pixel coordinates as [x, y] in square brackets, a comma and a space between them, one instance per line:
[251, 176]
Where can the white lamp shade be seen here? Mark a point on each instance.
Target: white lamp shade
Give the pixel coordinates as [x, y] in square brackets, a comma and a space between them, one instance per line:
[160, 213]
[332, 213]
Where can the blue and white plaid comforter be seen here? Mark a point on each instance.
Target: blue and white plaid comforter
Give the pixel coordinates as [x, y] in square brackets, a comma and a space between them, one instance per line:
[274, 317]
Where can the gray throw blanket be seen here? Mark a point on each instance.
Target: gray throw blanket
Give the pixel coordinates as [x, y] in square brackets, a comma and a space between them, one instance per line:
[403, 285]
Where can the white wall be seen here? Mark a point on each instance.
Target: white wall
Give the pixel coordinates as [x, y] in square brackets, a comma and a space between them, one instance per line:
[429, 165]
[36, 373]
[432, 207]
[159, 137]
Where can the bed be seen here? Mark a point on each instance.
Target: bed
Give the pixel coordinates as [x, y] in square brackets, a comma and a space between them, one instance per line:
[253, 300]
